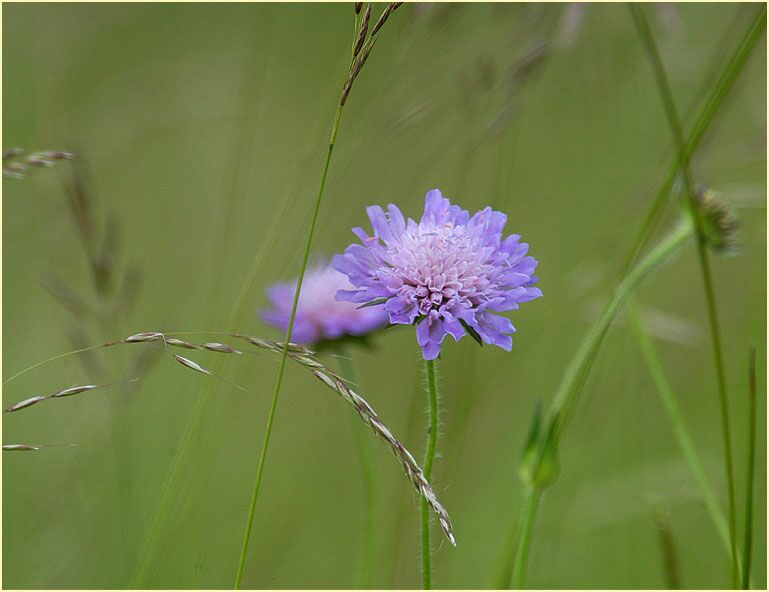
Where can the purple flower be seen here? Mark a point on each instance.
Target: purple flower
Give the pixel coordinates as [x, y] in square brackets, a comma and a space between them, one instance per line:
[449, 273]
[319, 316]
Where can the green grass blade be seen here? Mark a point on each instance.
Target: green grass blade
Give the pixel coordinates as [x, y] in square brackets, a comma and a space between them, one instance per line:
[676, 416]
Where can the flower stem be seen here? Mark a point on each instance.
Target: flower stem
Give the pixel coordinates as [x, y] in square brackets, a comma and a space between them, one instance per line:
[432, 441]
[284, 356]
[522, 550]
[368, 482]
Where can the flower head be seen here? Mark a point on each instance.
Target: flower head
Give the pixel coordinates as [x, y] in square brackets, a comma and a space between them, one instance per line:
[319, 316]
[449, 273]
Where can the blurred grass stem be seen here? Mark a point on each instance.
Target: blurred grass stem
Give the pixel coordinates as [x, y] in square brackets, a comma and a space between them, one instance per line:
[284, 356]
[747, 546]
[706, 116]
[676, 416]
[671, 113]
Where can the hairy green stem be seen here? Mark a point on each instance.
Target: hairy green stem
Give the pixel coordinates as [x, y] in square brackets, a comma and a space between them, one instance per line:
[432, 441]
[284, 356]
[368, 483]
[676, 416]
[522, 550]
[671, 113]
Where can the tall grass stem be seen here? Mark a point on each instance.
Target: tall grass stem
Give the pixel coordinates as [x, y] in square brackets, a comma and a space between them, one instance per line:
[666, 94]
[676, 416]
[747, 546]
[284, 356]
[706, 116]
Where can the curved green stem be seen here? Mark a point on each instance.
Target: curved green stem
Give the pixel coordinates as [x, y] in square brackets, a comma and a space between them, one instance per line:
[432, 441]
[576, 373]
[284, 356]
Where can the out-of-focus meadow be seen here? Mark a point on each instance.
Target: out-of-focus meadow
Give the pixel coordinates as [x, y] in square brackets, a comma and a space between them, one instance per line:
[200, 133]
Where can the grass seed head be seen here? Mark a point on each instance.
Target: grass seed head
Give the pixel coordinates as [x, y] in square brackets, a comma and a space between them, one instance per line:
[221, 347]
[191, 364]
[74, 390]
[25, 403]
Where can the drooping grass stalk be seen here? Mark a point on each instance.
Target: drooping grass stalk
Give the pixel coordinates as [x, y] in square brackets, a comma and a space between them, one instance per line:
[522, 549]
[676, 416]
[361, 51]
[17, 163]
[574, 378]
[747, 546]
[368, 484]
[430, 447]
[671, 113]
[36, 365]
[704, 119]
[304, 358]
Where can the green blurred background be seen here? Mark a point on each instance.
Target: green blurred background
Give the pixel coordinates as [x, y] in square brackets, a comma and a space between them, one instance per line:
[200, 132]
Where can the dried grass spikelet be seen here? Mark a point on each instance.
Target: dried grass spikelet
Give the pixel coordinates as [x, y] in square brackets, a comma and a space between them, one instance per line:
[303, 357]
[28, 447]
[362, 48]
[66, 392]
[16, 167]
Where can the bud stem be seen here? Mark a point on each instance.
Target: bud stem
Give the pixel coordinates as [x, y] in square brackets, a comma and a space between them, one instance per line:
[522, 551]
